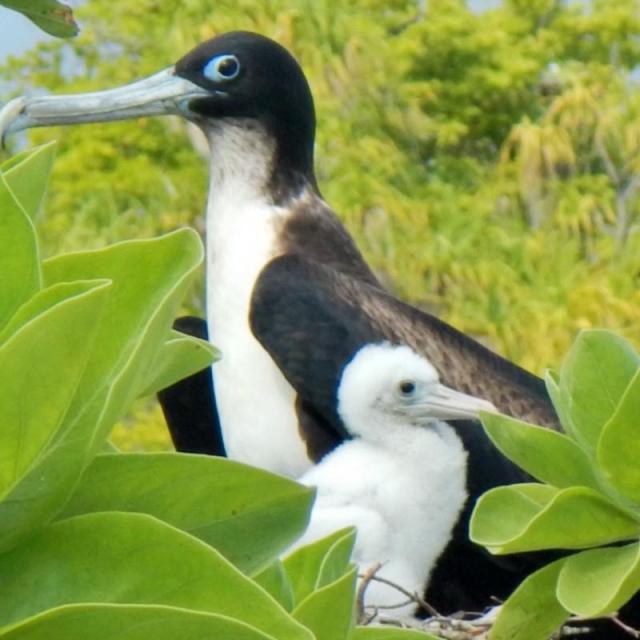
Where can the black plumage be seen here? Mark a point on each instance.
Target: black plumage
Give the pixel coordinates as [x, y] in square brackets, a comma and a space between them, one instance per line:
[189, 406]
[303, 312]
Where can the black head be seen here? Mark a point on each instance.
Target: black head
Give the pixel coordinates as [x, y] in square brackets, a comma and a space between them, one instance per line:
[239, 75]
[250, 76]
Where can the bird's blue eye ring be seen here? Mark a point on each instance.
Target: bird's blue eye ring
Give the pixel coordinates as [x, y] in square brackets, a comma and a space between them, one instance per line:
[407, 387]
[222, 68]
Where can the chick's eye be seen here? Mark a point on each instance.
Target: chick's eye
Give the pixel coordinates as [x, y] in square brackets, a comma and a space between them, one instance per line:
[222, 68]
[407, 387]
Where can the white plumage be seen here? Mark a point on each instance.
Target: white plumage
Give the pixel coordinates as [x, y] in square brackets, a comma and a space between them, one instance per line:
[401, 479]
[254, 401]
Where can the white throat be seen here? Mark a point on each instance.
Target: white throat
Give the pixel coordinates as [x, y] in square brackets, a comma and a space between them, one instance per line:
[254, 401]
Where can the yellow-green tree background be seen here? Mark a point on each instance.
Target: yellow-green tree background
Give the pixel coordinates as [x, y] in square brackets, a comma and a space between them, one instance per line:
[488, 163]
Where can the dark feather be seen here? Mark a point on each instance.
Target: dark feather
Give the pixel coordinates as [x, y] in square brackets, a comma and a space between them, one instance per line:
[304, 312]
[312, 320]
[189, 405]
[466, 575]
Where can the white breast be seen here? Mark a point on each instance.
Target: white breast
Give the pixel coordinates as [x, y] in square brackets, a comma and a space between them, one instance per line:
[254, 401]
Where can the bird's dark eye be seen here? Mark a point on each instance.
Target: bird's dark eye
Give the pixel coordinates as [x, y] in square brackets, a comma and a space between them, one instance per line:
[222, 68]
[407, 387]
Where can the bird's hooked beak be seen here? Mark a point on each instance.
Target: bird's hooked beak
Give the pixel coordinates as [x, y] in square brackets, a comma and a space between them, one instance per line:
[444, 403]
[163, 93]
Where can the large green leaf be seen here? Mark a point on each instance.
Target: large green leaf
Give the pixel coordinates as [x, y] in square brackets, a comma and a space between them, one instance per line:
[598, 582]
[552, 383]
[547, 455]
[40, 366]
[528, 517]
[320, 563]
[50, 15]
[126, 558]
[274, 580]
[42, 301]
[329, 611]
[180, 356]
[27, 176]
[136, 319]
[532, 611]
[222, 502]
[150, 278]
[593, 379]
[130, 622]
[19, 260]
[618, 450]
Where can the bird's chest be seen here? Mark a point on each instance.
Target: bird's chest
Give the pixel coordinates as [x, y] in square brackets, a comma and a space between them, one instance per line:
[254, 401]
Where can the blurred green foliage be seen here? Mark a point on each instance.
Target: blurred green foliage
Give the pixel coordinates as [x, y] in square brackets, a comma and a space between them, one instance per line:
[486, 162]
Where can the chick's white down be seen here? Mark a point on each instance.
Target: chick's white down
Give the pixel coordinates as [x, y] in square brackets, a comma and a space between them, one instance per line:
[401, 479]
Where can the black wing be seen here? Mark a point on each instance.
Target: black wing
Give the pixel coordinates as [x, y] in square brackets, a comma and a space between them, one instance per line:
[189, 406]
[311, 336]
[308, 315]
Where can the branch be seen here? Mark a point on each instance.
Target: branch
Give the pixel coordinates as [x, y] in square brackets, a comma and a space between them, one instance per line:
[463, 625]
[606, 159]
[634, 633]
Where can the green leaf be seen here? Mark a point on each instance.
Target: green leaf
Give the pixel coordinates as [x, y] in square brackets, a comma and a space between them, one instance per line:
[46, 357]
[19, 260]
[598, 582]
[317, 564]
[329, 611]
[593, 378]
[547, 455]
[552, 383]
[274, 580]
[51, 16]
[219, 501]
[28, 177]
[389, 633]
[532, 611]
[337, 560]
[109, 447]
[126, 558]
[129, 622]
[43, 300]
[178, 358]
[40, 366]
[140, 311]
[619, 446]
[528, 517]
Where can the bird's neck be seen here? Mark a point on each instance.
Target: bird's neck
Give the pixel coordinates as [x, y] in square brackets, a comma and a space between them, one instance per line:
[254, 401]
[248, 160]
[417, 443]
[241, 162]
[258, 195]
[244, 219]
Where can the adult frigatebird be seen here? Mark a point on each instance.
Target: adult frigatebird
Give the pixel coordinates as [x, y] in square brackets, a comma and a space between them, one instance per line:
[251, 99]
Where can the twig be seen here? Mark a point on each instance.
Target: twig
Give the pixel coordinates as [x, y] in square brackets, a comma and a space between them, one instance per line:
[366, 578]
[634, 633]
[456, 627]
[412, 597]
